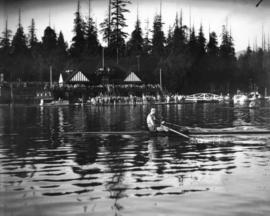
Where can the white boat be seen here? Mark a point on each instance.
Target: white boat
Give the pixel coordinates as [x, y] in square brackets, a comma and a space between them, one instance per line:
[240, 98]
[252, 96]
[49, 102]
[204, 97]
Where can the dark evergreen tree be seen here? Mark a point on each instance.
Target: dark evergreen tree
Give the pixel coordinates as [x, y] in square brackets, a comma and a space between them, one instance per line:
[32, 38]
[169, 40]
[158, 37]
[19, 40]
[212, 69]
[118, 23]
[179, 36]
[5, 39]
[193, 44]
[135, 44]
[5, 57]
[227, 47]
[35, 52]
[92, 44]
[201, 77]
[212, 46]
[193, 53]
[105, 26]
[201, 42]
[20, 55]
[49, 54]
[62, 45]
[245, 77]
[49, 40]
[228, 60]
[78, 41]
[146, 40]
[60, 57]
[106, 30]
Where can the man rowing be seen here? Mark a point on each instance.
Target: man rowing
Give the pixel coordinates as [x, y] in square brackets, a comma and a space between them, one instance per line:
[152, 124]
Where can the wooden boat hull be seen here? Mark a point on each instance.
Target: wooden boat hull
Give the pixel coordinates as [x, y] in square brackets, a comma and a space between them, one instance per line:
[55, 104]
[171, 134]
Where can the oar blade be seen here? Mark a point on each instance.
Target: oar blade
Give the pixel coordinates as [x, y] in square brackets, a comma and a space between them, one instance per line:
[179, 133]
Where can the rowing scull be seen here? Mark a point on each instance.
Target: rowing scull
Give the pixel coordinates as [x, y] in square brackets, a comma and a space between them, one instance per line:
[190, 133]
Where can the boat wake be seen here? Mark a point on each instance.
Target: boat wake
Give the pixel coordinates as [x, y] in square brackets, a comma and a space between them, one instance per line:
[246, 140]
[238, 129]
[241, 135]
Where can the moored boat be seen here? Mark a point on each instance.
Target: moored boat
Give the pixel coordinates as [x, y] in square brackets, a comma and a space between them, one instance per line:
[253, 96]
[240, 98]
[204, 98]
[48, 102]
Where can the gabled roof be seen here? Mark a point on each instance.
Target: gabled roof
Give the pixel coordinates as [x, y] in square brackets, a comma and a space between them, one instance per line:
[77, 77]
[132, 77]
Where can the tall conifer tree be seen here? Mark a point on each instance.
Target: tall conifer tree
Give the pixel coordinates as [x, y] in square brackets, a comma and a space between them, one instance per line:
[78, 41]
[32, 38]
[227, 47]
[193, 44]
[118, 23]
[179, 36]
[146, 40]
[5, 39]
[62, 45]
[158, 37]
[201, 42]
[92, 44]
[105, 26]
[212, 45]
[19, 40]
[49, 40]
[228, 59]
[5, 45]
[135, 44]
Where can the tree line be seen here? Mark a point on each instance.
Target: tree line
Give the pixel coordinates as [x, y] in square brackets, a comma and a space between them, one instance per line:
[189, 60]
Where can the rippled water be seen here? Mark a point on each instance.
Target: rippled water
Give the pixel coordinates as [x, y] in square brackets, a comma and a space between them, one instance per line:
[46, 171]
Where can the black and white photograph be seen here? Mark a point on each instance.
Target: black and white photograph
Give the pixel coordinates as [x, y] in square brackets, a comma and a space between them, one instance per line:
[134, 107]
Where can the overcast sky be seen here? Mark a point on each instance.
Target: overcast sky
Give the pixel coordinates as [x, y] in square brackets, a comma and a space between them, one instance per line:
[245, 20]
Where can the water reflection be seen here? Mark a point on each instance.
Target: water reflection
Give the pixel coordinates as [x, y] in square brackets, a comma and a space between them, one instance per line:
[40, 160]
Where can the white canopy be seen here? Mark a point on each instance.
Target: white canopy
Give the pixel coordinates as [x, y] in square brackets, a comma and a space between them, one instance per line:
[132, 77]
[61, 81]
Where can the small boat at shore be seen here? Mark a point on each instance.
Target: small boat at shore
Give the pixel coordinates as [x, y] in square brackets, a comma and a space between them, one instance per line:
[240, 98]
[204, 98]
[46, 99]
[44, 102]
[253, 96]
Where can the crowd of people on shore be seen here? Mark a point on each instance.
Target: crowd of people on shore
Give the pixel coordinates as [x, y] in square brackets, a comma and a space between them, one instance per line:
[110, 89]
[132, 100]
[112, 94]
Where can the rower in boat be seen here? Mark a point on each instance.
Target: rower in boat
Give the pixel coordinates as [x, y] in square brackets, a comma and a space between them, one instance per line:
[152, 123]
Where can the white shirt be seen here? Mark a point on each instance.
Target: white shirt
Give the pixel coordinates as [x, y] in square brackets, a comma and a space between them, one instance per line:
[150, 120]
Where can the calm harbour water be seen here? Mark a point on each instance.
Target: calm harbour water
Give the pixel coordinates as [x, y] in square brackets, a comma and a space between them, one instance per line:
[45, 171]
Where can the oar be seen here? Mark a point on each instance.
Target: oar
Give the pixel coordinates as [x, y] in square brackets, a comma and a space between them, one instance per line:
[178, 133]
[182, 128]
[175, 131]
[175, 125]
